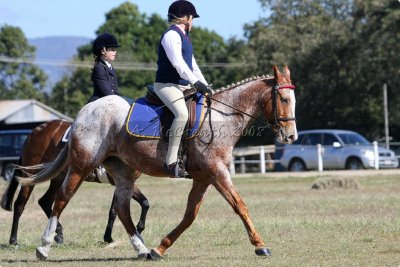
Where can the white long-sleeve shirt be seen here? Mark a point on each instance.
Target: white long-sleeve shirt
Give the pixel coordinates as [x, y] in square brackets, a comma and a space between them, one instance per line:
[172, 44]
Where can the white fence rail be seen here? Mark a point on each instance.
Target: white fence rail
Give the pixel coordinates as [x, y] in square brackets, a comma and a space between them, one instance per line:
[265, 158]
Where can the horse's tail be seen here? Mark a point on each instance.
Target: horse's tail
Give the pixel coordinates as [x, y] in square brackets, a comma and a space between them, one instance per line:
[8, 195]
[47, 171]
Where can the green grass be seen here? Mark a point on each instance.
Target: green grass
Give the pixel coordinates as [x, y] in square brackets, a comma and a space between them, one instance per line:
[302, 227]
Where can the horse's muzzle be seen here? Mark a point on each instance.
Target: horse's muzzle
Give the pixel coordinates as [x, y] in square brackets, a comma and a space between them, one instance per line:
[286, 137]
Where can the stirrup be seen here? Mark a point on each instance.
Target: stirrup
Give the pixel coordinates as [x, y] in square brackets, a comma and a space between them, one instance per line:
[176, 171]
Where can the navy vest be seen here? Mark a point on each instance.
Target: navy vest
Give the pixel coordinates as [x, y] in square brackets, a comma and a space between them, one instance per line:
[166, 73]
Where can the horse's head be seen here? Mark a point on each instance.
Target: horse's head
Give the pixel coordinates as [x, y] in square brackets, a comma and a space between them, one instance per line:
[280, 107]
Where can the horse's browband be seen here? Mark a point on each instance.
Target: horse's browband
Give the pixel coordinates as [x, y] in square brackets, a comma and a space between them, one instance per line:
[278, 87]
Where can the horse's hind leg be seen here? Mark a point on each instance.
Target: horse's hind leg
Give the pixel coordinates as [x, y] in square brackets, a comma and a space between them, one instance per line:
[225, 187]
[63, 196]
[19, 206]
[195, 199]
[46, 203]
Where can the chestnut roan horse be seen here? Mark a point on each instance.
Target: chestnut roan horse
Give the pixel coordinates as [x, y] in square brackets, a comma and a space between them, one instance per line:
[43, 144]
[99, 136]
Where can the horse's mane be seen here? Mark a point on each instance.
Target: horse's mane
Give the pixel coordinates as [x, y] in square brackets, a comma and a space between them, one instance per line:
[233, 85]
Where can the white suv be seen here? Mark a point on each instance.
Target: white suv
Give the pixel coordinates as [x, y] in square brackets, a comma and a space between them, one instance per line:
[341, 150]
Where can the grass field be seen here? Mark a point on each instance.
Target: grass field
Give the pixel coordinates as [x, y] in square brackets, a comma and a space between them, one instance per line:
[302, 227]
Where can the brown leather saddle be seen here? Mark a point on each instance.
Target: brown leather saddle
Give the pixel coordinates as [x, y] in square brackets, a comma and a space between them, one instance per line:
[167, 117]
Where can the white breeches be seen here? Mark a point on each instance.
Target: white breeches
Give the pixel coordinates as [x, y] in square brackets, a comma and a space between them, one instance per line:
[172, 96]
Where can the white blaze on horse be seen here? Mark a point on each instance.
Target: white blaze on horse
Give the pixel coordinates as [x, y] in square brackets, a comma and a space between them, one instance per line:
[99, 136]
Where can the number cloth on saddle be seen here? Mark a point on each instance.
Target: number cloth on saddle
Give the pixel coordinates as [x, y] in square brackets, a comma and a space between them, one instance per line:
[149, 120]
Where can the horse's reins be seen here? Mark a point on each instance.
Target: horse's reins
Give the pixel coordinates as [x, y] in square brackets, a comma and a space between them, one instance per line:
[276, 127]
[274, 106]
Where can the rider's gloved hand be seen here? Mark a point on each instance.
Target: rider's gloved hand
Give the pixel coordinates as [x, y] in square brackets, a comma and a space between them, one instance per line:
[202, 88]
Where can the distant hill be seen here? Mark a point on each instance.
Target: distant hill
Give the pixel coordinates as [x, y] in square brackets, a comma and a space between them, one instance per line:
[53, 50]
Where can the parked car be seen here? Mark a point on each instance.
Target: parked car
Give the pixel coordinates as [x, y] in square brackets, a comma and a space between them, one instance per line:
[11, 142]
[341, 150]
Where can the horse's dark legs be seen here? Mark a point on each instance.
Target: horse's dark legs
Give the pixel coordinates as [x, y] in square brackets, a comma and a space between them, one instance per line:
[144, 203]
[46, 203]
[195, 199]
[111, 219]
[224, 185]
[19, 206]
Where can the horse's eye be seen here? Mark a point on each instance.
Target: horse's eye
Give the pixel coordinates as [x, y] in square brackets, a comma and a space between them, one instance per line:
[285, 101]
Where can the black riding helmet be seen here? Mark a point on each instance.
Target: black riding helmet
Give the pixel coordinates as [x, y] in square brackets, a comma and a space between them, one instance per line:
[181, 8]
[104, 40]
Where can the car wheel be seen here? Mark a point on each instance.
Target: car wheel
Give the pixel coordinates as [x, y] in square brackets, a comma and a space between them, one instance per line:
[354, 164]
[8, 172]
[297, 165]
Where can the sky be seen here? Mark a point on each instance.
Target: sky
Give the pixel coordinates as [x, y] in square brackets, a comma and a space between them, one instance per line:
[43, 18]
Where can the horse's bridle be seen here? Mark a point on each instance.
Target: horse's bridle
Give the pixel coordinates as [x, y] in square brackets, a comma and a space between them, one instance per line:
[275, 94]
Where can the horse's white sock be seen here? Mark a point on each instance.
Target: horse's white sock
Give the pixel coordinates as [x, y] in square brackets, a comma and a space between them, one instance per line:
[138, 245]
[49, 233]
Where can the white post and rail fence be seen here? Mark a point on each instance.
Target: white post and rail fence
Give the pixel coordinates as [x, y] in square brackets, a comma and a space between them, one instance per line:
[262, 158]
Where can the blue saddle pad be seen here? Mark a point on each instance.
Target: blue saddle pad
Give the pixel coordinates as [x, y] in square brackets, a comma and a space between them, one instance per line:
[146, 121]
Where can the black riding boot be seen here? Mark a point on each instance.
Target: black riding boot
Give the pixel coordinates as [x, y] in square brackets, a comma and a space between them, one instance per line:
[175, 170]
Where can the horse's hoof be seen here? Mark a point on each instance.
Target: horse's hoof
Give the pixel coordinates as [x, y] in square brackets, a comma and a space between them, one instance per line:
[13, 243]
[155, 256]
[108, 240]
[41, 254]
[59, 240]
[145, 256]
[264, 252]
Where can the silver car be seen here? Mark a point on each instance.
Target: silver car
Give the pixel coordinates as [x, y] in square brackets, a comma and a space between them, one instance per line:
[341, 150]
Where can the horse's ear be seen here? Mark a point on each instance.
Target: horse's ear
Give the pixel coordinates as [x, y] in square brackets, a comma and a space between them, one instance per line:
[276, 72]
[286, 71]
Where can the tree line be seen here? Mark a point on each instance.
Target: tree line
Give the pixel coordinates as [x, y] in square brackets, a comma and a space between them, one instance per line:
[340, 54]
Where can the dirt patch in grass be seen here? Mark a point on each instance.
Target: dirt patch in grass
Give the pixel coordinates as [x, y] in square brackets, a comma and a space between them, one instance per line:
[336, 183]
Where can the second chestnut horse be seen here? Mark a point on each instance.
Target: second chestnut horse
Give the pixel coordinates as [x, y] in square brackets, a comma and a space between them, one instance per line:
[42, 145]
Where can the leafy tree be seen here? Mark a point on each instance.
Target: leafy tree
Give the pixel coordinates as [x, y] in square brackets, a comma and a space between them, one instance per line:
[19, 80]
[340, 52]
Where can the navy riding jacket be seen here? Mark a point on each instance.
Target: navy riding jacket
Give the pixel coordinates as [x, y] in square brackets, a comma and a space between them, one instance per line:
[104, 81]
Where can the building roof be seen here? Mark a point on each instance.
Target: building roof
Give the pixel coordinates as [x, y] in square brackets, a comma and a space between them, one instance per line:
[25, 111]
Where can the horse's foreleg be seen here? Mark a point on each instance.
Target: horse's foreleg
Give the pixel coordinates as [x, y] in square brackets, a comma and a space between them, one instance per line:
[123, 194]
[19, 206]
[63, 196]
[144, 204]
[228, 191]
[195, 199]
[111, 219]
